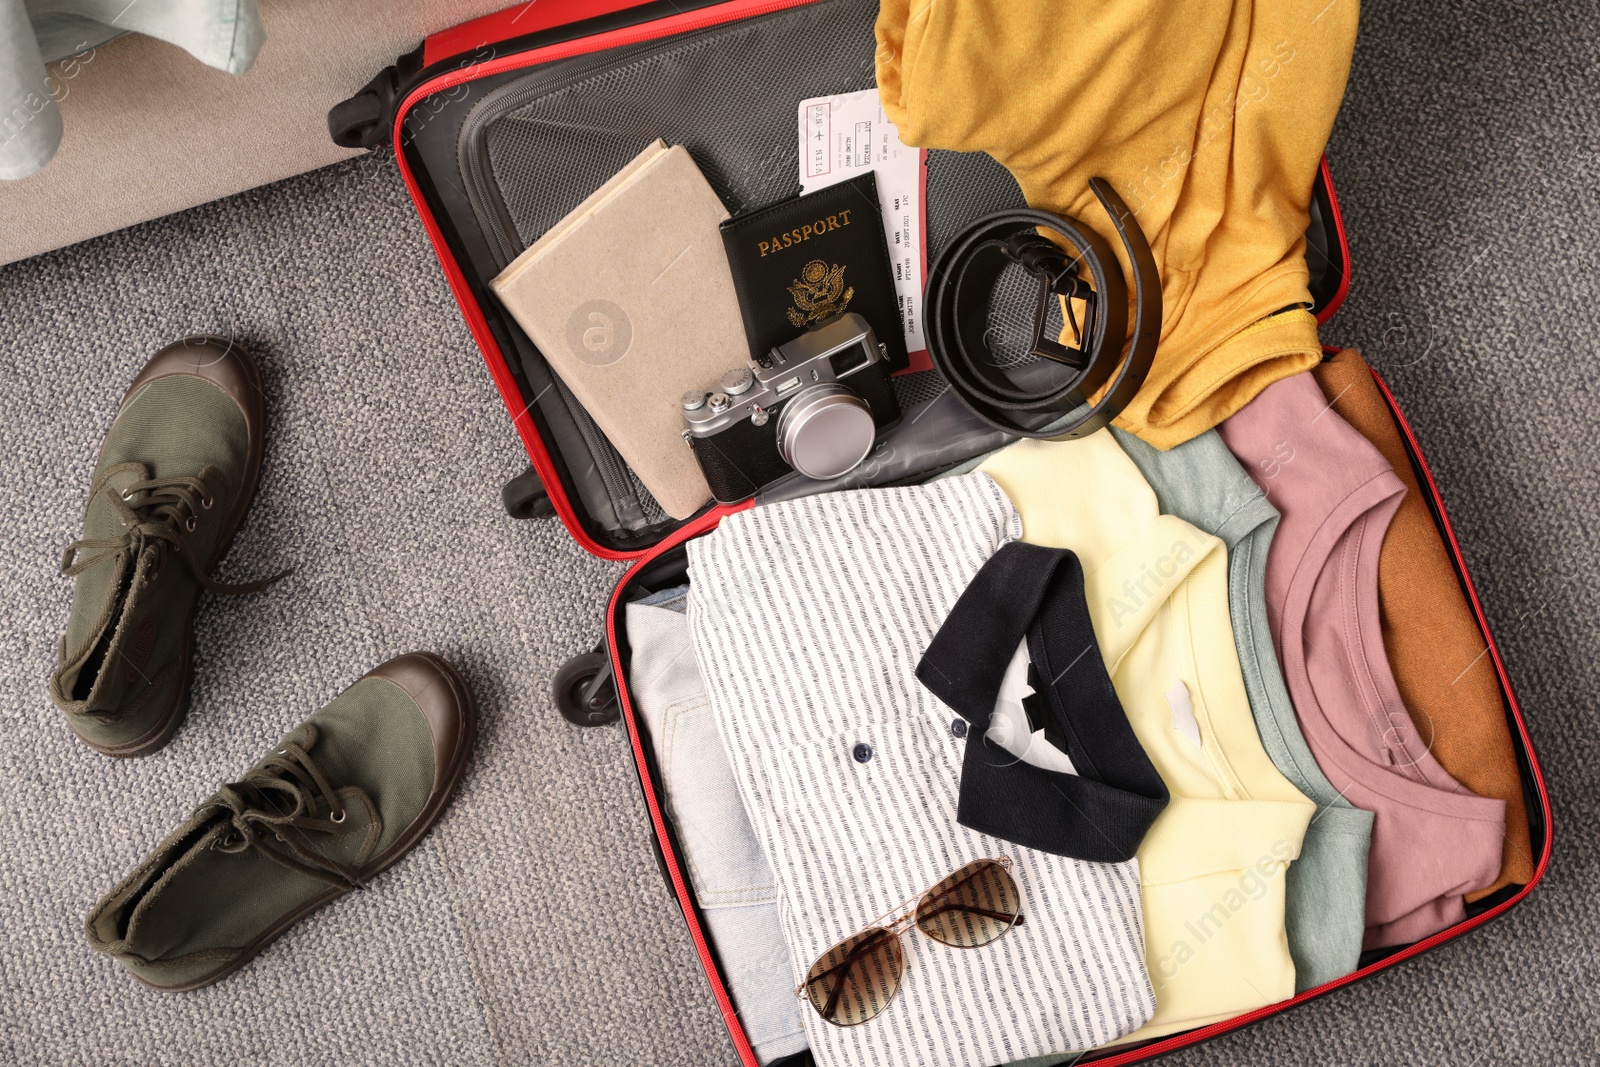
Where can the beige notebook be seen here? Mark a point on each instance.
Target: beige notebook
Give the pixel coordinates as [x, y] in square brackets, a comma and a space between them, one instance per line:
[631, 302]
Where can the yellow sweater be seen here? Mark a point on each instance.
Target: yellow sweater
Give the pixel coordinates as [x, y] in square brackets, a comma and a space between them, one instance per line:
[1212, 865]
[1209, 118]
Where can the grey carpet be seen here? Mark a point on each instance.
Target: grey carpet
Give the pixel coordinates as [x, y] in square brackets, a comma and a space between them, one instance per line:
[531, 927]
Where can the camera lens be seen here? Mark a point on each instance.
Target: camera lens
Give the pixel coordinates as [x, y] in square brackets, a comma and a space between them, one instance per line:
[825, 431]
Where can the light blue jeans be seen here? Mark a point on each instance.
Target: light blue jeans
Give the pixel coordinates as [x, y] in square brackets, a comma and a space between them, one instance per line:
[730, 876]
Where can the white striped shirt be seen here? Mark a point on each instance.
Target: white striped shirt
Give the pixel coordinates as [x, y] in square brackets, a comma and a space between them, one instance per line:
[809, 617]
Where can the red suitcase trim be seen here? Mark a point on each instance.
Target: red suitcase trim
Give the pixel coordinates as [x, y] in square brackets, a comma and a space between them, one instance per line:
[1337, 300]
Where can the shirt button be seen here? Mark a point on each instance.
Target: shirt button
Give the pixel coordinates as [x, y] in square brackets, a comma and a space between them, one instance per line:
[862, 752]
[958, 728]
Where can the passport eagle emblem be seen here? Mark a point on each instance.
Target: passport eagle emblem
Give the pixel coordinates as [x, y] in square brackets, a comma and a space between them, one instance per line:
[818, 293]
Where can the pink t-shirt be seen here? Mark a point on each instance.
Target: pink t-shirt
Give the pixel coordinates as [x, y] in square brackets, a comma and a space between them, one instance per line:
[1432, 839]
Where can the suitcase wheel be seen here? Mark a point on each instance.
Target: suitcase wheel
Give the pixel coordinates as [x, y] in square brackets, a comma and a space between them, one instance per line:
[524, 497]
[585, 692]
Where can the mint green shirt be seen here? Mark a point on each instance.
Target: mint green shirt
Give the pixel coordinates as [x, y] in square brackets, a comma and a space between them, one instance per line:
[1200, 482]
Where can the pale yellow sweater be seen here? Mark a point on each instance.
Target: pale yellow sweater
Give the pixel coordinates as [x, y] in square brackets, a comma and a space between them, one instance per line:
[1212, 865]
[1209, 117]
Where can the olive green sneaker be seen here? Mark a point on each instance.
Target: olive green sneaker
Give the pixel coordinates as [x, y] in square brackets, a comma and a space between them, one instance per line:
[344, 795]
[175, 477]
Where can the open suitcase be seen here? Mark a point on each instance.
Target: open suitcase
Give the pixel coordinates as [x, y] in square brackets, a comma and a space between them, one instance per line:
[503, 125]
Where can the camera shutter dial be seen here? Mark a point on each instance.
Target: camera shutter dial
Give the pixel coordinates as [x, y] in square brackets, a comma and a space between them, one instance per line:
[737, 382]
[825, 431]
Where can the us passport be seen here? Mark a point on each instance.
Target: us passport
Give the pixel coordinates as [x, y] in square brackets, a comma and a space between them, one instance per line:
[802, 261]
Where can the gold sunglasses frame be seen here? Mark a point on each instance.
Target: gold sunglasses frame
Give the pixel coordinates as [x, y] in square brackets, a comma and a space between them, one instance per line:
[898, 926]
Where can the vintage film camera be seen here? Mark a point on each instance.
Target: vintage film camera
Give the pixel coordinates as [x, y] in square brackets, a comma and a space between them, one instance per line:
[814, 405]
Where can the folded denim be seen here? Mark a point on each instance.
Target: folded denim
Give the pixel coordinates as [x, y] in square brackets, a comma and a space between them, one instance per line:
[730, 876]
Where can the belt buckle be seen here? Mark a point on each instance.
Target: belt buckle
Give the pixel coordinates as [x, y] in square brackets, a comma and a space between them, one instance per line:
[1057, 273]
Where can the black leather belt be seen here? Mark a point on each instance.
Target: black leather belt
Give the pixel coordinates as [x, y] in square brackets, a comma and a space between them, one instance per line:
[1030, 397]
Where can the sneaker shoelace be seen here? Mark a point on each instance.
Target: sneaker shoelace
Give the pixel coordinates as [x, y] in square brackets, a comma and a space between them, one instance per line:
[285, 799]
[157, 516]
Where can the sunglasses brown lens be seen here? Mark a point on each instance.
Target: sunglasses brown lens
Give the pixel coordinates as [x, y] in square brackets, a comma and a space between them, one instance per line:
[856, 978]
[972, 907]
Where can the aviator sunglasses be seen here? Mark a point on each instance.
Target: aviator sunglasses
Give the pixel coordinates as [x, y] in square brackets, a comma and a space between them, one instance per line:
[854, 980]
